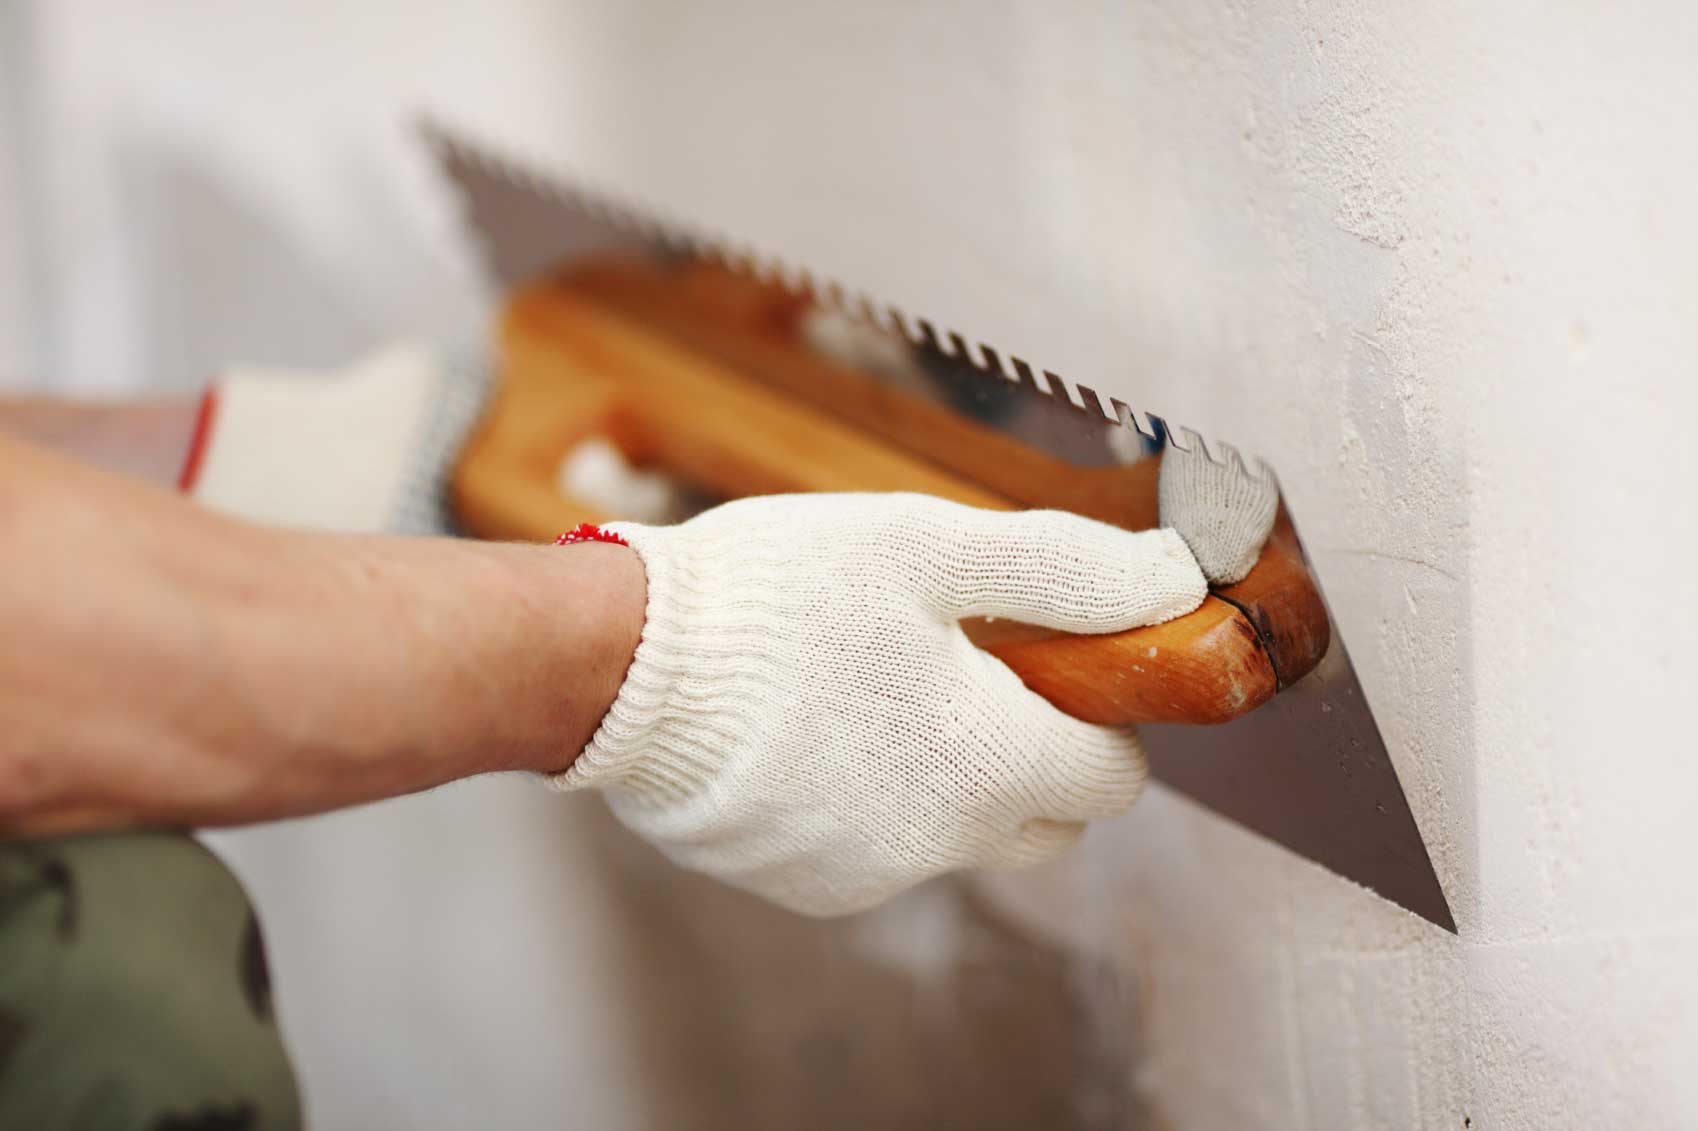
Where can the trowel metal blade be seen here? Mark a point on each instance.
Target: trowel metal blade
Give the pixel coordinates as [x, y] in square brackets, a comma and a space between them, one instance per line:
[1308, 769]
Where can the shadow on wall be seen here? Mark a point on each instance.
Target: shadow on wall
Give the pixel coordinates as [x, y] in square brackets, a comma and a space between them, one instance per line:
[220, 281]
[932, 1011]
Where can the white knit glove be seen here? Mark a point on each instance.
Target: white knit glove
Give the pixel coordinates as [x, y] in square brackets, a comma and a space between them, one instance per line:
[363, 449]
[1223, 512]
[805, 719]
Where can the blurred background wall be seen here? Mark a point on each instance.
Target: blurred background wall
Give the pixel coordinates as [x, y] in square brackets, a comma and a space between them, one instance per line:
[1436, 261]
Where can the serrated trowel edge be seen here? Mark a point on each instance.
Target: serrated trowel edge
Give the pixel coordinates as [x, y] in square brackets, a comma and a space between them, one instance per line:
[651, 227]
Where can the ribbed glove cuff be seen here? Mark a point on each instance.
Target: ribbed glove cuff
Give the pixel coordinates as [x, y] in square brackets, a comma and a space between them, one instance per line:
[652, 741]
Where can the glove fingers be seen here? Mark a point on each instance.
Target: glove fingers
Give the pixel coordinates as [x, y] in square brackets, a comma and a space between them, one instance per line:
[1065, 572]
[1223, 513]
[1093, 772]
[1078, 771]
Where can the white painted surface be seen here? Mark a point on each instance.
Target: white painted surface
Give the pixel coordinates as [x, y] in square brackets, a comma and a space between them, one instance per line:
[1438, 262]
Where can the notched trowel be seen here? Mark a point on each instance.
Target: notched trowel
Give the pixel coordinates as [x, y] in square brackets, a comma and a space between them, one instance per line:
[742, 378]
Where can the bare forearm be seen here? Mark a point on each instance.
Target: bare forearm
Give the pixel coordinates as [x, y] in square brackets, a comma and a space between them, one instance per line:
[163, 665]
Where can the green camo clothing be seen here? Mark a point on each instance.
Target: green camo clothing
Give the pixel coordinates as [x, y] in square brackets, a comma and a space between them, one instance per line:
[134, 992]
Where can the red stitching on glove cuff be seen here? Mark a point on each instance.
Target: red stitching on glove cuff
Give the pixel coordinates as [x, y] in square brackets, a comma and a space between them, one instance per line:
[199, 440]
[589, 532]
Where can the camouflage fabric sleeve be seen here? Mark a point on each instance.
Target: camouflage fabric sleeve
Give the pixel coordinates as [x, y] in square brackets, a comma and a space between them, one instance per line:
[134, 992]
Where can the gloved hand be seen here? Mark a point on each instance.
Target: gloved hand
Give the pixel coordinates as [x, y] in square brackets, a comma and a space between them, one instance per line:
[805, 719]
[365, 449]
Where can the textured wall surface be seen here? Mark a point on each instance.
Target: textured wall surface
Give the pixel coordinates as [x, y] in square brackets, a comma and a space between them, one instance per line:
[1438, 262]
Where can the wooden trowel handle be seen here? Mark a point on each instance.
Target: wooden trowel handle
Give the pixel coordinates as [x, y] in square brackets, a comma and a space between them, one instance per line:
[574, 367]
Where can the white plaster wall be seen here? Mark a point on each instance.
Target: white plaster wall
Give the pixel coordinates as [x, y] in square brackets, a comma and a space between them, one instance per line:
[1436, 261]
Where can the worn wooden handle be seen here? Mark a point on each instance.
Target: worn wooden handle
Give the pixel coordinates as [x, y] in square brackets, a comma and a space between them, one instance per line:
[578, 364]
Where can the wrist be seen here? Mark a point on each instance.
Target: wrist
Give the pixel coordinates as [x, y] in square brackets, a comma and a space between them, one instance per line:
[686, 701]
[576, 616]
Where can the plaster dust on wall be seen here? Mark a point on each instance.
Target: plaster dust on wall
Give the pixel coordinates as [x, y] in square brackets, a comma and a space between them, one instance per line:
[1437, 262]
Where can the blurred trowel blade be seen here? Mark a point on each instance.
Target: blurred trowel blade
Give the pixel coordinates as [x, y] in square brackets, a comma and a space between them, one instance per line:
[1307, 769]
